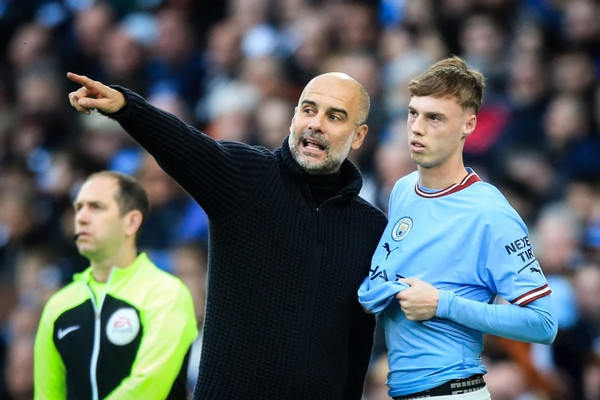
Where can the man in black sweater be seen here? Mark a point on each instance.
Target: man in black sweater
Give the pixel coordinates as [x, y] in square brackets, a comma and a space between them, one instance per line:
[290, 241]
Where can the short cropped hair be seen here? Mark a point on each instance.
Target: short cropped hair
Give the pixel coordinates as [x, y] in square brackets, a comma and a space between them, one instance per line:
[450, 77]
[130, 196]
[364, 101]
[365, 105]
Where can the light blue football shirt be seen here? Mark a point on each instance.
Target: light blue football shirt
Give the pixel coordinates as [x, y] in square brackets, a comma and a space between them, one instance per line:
[468, 242]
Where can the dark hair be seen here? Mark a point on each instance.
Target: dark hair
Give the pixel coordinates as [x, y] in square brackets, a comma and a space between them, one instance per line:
[450, 77]
[130, 196]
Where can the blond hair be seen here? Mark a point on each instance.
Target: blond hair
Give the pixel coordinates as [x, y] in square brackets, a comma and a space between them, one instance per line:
[450, 77]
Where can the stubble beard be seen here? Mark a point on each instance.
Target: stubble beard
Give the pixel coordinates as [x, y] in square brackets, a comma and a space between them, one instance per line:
[310, 165]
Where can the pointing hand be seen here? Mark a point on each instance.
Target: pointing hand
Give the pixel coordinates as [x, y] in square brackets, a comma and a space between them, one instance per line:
[94, 95]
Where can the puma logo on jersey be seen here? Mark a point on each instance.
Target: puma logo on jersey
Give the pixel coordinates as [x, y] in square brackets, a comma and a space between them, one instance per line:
[386, 246]
[64, 332]
[532, 270]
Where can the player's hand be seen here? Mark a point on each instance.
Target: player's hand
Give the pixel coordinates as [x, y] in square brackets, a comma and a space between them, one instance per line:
[418, 302]
[94, 95]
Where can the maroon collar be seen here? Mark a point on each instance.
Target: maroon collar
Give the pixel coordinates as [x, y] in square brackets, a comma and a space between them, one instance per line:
[468, 180]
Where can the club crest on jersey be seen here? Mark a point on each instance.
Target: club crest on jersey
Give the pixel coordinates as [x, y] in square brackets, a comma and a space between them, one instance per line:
[401, 229]
[123, 326]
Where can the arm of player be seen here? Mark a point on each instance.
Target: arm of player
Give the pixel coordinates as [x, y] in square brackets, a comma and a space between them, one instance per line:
[419, 300]
[170, 330]
[533, 322]
[376, 297]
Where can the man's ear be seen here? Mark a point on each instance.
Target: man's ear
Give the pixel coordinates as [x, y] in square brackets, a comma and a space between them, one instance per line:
[293, 117]
[359, 136]
[470, 125]
[133, 222]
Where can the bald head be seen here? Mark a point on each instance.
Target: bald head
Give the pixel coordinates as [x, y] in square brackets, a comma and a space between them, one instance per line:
[340, 79]
[328, 122]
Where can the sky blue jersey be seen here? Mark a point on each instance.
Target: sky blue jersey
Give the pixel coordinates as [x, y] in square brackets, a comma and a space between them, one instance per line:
[468, 242]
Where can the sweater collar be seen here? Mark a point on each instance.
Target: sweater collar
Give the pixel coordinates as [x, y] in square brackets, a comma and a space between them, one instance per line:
[351, 180]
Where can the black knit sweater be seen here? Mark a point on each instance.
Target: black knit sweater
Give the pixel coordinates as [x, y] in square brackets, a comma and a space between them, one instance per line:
[282, 317]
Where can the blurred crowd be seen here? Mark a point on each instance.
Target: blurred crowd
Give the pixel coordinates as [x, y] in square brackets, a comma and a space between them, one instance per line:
[234, 69]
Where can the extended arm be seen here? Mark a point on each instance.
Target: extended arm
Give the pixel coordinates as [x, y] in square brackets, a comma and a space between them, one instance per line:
[218, 175]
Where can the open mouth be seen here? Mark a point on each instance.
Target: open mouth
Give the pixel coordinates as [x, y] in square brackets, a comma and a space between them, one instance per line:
[312, 144]
[416, 145]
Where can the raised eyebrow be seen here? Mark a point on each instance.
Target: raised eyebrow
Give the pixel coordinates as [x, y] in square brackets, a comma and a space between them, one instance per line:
[309, 102]
[330, 110]
[338, 110]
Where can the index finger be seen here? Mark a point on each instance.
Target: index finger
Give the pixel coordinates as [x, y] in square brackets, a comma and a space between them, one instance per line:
[81, 79]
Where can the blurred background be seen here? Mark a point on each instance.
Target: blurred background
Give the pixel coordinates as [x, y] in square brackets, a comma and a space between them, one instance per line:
[235, 69]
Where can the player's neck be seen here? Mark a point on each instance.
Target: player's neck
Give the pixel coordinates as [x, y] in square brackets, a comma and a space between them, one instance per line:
[441, 177]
